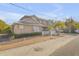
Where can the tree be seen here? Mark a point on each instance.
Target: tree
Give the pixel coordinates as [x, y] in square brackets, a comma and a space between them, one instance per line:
[4, 28]
[57, 26]
[70, 23]
[77, 26]
[50, 27]
[60, 25]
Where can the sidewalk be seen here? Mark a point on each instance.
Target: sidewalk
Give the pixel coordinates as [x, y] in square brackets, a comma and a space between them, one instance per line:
[41, 48]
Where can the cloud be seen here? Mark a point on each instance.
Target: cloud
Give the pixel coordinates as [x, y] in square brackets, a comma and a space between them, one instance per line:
[58, 12]
[58, 9]
[49, 14]
[9, 17]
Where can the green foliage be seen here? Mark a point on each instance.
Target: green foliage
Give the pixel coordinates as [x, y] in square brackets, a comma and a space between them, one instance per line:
[50, 27]
[71, 25]
[77, 25]
[4, 28]
[60, 25]
[27, 34]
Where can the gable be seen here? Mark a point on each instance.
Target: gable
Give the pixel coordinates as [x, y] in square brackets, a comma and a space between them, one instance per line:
[33, 20]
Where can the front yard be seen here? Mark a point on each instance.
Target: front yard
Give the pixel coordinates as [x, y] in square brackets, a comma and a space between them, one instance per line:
[25, 41]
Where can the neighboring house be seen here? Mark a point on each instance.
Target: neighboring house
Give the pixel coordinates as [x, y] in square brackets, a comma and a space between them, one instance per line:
[29, 24]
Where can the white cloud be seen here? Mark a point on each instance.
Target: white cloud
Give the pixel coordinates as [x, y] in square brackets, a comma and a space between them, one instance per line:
[9, 17]
[59, 8]
[58, 12]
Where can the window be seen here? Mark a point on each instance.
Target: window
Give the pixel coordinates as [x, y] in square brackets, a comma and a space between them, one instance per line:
[37, 29]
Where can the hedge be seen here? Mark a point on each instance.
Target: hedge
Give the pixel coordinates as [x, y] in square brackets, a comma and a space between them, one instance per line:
[27, 34]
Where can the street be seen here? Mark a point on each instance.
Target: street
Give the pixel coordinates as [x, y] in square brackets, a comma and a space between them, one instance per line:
[46, 48]
[71, 49]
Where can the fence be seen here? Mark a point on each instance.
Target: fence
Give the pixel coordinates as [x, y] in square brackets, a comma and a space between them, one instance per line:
[4, 37]
[53, 32]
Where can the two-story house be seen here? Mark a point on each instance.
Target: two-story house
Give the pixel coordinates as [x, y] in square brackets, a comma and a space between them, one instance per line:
[29, 24]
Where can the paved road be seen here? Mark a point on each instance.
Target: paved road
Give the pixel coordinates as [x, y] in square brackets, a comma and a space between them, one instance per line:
[40, 49]
[71, 49]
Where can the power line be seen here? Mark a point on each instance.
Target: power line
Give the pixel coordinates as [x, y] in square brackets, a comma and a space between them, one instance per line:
[20, 7]
[28, 10]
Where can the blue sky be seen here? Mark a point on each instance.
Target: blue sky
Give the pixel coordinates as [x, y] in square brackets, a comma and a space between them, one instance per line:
[10, 13]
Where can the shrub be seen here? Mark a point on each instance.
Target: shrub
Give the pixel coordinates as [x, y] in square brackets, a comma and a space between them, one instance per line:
[27, 34]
